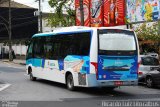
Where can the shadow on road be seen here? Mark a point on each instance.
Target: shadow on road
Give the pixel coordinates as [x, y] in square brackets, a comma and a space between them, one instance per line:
[101, 94]
[93, 91]
[55, 84]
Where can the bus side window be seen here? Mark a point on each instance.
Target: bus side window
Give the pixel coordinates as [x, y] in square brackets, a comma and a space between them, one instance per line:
[56, 48]
[85, 46]
[38, 47]
[69, 45]
[82, 43]
[30, 51]
[48, 48]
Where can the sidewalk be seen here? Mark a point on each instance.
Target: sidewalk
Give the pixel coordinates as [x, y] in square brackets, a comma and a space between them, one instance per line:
[16, 61]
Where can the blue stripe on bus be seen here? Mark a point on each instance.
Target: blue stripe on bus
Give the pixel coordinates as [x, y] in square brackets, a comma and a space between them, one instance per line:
[43, 63]
[61, 64]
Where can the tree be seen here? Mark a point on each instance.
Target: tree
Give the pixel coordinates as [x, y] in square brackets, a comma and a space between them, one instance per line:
[64, 14]
[151, 33]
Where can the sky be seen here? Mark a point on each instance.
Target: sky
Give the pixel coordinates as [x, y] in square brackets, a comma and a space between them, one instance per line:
[32, 3]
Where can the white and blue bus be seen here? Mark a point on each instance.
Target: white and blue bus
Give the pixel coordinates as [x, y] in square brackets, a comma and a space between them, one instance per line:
[85, 57]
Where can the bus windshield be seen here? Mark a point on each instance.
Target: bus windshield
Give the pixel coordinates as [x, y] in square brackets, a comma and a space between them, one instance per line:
[116, 40]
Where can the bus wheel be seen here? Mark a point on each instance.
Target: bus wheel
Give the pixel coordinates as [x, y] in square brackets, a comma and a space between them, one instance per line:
[32, 78]
[70, 82]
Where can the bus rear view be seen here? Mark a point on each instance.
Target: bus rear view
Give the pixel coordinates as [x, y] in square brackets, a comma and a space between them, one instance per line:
[117, 63]
[84, 57]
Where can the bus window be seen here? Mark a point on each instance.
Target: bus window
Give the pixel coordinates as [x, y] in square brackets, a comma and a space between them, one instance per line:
[56, 50]
[38, 47]
[84, 46]
[30, 51]
[120, 43]
[75, 44]
[48, 48]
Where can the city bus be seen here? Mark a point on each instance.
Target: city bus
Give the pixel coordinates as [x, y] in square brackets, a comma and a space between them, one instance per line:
[85, 57]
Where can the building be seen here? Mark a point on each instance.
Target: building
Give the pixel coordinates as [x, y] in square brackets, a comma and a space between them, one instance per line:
[45, 26]
[24, 24]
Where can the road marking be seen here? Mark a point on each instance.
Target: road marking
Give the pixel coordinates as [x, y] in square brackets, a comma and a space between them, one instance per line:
[4, 86]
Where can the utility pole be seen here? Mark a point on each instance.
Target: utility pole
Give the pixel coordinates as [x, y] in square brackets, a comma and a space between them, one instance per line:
[81, 12]
[10, 33]
[40, 17]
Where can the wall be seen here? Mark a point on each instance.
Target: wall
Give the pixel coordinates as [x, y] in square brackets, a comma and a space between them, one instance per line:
[46, 28]
[18, 49]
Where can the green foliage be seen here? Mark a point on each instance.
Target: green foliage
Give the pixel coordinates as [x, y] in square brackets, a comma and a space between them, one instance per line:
[59, 18]
[149, 32]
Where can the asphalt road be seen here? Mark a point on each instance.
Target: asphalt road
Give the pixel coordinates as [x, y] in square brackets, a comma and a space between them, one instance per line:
[22, 89]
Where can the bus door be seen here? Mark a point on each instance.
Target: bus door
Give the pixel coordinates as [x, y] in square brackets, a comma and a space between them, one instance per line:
[117, 55]
[38, 53]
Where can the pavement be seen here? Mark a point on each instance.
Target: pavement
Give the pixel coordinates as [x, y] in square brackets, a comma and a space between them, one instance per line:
[15, 61]
[43, 93]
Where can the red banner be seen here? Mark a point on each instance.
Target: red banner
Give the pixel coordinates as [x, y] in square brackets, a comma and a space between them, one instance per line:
[86, 10]
[96, 13]
[114, 12]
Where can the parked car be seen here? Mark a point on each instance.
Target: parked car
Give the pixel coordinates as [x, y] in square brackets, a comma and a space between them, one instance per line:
[149, 71]
[152, 54]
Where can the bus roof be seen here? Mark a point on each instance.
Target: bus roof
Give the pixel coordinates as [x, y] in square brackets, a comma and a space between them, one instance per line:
[65, 30]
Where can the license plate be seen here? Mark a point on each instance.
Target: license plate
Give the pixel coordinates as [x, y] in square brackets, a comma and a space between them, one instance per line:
[118, 83]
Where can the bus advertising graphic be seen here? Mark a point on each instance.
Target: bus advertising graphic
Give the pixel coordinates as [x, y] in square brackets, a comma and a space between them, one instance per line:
[86, 11]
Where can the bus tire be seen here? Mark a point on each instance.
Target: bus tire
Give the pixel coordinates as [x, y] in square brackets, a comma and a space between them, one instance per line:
[32, 78]
[70, 82]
